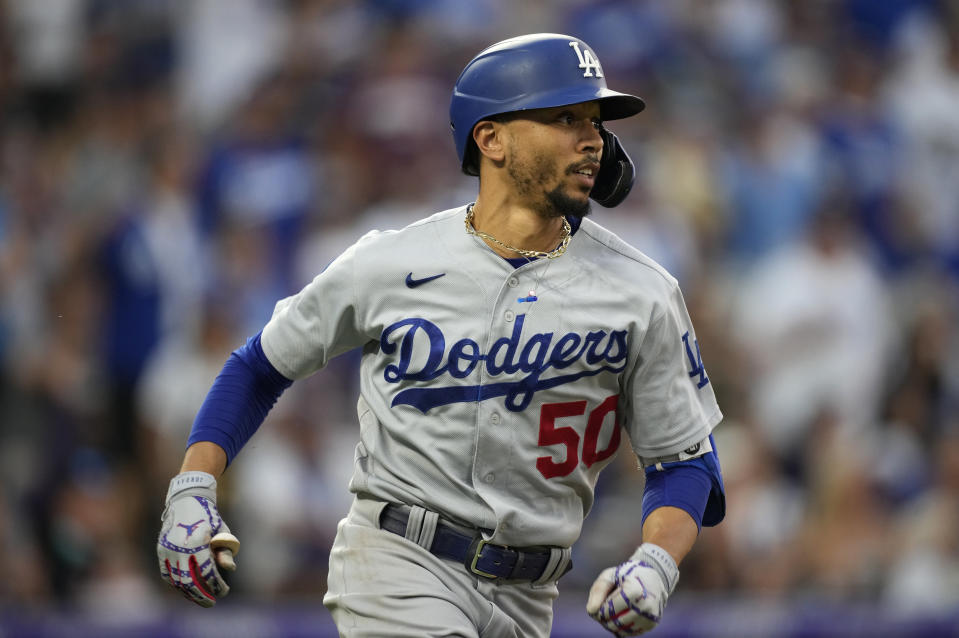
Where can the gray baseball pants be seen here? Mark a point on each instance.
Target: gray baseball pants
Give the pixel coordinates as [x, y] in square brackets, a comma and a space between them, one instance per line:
[381, 584]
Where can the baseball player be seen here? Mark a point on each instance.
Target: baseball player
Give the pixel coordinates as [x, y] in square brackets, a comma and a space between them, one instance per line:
[510, 345]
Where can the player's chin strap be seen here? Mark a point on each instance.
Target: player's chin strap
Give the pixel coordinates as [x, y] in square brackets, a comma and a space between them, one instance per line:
[616, 172]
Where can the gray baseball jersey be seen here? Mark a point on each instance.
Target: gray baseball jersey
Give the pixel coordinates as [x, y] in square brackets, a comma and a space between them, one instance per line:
[495, 395]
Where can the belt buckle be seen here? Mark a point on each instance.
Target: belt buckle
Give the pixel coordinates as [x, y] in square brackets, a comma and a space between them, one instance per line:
[475, 551]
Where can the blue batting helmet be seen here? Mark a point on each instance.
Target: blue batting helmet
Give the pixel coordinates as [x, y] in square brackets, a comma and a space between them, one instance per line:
[530, 72]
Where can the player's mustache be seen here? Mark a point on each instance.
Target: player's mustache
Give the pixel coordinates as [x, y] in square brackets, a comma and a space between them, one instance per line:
[589, 162]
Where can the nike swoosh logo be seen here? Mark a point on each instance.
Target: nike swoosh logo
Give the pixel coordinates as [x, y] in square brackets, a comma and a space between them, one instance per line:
[413, 283]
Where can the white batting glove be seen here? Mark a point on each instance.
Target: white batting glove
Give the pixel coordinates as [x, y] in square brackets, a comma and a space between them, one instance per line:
[628, 600]
[194, 540]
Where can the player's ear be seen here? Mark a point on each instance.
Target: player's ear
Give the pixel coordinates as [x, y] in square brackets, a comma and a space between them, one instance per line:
[489, 138]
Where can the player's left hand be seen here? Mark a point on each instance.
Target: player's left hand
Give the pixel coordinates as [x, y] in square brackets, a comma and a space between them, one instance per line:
[628, 600]
[195, 542]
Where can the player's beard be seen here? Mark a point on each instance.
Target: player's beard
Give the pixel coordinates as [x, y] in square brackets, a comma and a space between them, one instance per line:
[562, 205]
[529, 178]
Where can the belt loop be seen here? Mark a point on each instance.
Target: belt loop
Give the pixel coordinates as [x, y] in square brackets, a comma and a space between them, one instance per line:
[560, 562]
[428, 530]
[421, 526]
[414, 522]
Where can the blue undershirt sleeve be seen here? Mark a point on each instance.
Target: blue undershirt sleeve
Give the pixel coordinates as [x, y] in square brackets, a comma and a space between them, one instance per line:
[239, 400]
[695, 486]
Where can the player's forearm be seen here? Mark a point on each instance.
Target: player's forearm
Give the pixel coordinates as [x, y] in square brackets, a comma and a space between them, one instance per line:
[671, 528]
[204, 456]
[241, 396]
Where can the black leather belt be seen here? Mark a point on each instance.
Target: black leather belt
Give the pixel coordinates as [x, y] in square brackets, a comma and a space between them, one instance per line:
[477, 555]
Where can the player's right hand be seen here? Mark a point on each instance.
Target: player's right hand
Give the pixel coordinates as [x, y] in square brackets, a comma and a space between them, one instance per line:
[194, 540]
[628, 600]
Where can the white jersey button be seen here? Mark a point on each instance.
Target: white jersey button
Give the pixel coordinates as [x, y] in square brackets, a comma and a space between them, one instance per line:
[489, 478]
[494, 418]
[509, 315]
[513, 282]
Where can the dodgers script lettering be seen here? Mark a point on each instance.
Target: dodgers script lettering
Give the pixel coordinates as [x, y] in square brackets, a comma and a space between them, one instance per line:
[599, 351]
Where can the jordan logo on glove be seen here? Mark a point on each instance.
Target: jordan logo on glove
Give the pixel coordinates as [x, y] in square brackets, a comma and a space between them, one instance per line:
[190, 528]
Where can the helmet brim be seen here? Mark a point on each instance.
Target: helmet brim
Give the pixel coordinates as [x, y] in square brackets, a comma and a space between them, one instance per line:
[613, 105]
[617, 106]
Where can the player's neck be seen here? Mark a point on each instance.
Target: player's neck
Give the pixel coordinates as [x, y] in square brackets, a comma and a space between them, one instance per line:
[516, 225]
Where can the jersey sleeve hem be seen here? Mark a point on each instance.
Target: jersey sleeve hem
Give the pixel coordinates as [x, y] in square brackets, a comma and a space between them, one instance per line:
[690, 439]
[273, 357]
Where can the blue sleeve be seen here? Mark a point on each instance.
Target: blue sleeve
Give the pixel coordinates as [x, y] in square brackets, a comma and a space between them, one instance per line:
[695, 486]
[239, 400]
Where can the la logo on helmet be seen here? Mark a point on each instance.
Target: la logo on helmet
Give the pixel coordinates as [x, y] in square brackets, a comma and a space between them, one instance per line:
[587, 61]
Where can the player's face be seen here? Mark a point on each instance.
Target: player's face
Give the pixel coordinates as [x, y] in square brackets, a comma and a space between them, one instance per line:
[553, 159]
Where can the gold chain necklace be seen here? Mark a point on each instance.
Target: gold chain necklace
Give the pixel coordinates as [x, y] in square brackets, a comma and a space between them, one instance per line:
[530, 254]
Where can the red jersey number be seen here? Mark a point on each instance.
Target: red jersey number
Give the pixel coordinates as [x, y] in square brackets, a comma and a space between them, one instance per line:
[567, 436]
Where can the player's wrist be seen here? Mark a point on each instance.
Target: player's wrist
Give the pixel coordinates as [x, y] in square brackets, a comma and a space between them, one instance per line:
[194, 482]
[659, 559]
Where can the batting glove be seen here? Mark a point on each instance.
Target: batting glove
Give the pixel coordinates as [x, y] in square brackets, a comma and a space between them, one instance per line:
[194, 540]
[628, 600]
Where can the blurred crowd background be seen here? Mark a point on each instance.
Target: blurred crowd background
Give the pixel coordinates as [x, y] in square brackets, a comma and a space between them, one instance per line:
[170, 169]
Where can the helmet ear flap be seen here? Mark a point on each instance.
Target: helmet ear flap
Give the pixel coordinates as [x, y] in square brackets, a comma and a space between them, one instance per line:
[616, 172]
